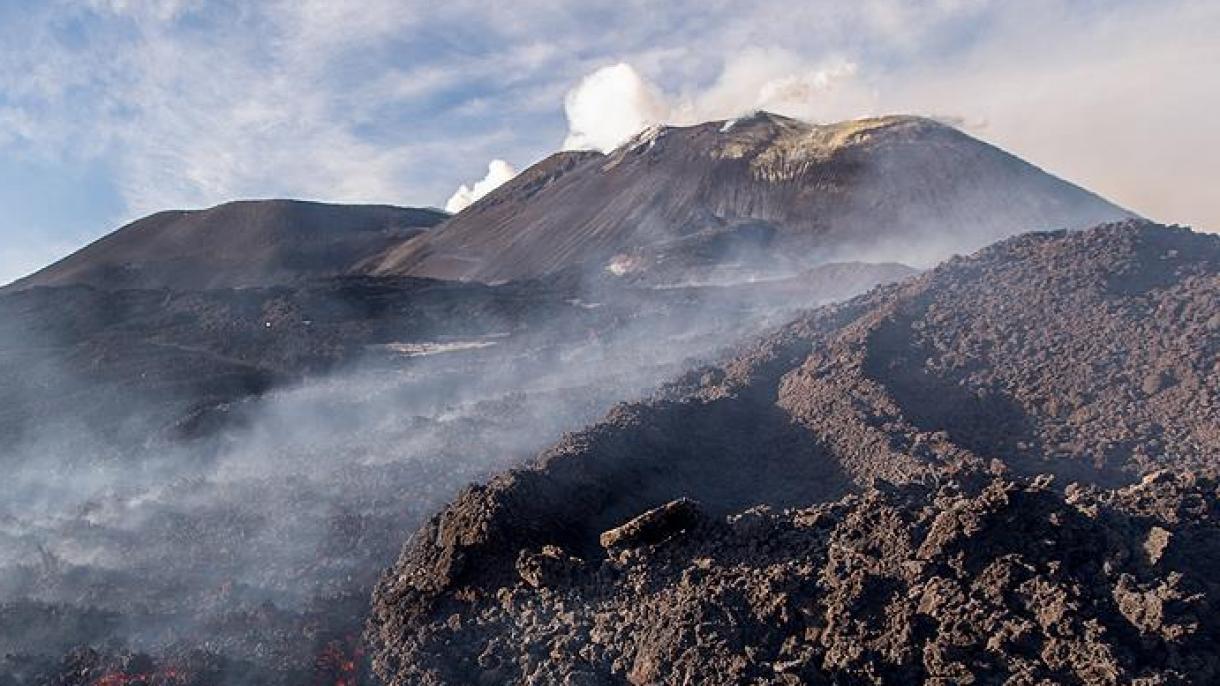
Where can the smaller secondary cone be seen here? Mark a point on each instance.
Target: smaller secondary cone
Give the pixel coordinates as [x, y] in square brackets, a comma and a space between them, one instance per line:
[235, 245]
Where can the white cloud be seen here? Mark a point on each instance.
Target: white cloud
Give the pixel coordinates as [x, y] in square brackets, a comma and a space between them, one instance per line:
[199, 118]
[498, 172]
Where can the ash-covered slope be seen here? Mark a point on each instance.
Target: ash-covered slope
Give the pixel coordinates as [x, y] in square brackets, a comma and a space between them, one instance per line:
[237, 244]
[760, 194]
[1093, 357]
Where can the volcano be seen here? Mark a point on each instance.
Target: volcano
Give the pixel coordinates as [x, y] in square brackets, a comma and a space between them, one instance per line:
[723, 433]
[237, 244]
[766, 190]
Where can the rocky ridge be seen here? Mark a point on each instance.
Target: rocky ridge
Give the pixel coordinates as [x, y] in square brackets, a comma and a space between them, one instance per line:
[989, 580]
[1087, 357]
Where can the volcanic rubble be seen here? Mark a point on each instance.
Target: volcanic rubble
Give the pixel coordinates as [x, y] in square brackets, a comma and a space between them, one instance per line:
[1001, 471]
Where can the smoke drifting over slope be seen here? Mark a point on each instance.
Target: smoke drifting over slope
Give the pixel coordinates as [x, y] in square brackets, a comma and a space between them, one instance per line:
[253, 528]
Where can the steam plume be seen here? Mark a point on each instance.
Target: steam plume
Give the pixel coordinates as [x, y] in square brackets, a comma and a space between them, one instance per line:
[614, 103]
[609, 106]
[498, 171]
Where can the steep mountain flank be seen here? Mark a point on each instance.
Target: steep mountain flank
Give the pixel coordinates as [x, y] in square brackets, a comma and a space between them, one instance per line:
[764, 194]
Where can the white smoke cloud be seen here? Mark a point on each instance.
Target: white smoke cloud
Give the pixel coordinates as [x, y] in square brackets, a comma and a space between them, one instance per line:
[609, 106]
[498, 172]
[614, 103]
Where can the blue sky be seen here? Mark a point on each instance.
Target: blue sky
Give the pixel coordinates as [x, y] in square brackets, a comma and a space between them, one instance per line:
[111, 109]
